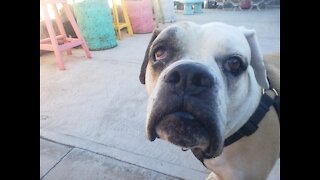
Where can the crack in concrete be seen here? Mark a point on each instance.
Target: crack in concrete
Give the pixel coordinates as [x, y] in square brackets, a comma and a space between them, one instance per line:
[56, 163]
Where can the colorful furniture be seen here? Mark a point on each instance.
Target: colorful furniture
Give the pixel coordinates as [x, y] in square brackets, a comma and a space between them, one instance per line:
[191, 6]
[245, 4]
[256, 3]
[120, 25]
[235, 4]
[140, 15]
[220, 4]
[95, 21]
[60, 43]
[164, 11]
[240, 4]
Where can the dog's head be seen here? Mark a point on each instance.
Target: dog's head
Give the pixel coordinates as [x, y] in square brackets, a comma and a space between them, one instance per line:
[199, 80]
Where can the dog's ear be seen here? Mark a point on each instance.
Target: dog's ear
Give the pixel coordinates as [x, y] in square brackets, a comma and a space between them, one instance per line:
[256, 57]
[146, 57]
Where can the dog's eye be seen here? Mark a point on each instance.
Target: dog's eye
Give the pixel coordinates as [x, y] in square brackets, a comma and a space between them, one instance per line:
[160, 53]
[233, 65]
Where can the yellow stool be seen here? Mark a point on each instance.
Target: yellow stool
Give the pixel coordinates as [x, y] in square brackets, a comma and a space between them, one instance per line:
[120, 25]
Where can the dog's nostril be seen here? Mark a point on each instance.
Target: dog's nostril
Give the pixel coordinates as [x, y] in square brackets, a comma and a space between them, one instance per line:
[200, 79]
[173, 77]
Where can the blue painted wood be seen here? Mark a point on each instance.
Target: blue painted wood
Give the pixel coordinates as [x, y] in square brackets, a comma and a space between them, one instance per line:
[187, 4]
[96, 24]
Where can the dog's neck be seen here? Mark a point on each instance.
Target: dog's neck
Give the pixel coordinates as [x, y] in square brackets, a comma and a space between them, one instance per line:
[235, 161]
[251, 157]
[239, 113]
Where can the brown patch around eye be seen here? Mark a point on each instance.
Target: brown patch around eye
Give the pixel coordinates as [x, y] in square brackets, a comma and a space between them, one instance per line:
[160, 54]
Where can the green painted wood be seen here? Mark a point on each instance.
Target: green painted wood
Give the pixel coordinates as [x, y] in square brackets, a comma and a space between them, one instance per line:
[95, 21]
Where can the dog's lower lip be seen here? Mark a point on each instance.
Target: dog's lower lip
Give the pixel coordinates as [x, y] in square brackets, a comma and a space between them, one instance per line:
[182, 114]
[152, 135]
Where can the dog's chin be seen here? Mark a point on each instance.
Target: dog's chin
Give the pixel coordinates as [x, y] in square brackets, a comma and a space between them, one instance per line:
[184, 130]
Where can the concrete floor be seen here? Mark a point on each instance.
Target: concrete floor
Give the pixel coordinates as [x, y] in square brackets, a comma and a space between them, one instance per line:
[92, 114]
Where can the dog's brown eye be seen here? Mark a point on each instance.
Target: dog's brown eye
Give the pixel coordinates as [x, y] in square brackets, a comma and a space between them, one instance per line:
[160, 54]
[233, 65]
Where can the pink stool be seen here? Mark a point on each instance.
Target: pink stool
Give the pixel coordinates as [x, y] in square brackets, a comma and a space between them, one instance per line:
[140, 15]
[60, 43]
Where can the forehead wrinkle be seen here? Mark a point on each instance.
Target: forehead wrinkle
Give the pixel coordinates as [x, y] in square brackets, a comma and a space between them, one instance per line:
[168, 36]
[168, 33]
[220, 42]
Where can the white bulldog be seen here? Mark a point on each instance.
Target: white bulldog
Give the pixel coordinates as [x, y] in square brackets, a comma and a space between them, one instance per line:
[204, 83]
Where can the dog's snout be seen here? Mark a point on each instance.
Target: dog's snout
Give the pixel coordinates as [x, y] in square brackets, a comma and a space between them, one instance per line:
[189, 76]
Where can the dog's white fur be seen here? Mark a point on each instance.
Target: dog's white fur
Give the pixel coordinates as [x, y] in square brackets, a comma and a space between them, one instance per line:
[249, 158]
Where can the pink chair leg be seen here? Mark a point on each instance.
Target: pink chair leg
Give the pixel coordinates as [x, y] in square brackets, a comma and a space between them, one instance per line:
[76, 29]
[59, 60]
[60, 25]
[52, 35]
[69, 52]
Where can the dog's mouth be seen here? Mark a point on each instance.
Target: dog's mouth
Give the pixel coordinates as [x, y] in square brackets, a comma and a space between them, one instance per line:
[191, 127]
[182, 129]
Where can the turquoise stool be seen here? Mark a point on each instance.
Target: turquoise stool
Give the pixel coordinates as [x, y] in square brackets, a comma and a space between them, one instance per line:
[96, 23]
[198, 7]
[187, 4]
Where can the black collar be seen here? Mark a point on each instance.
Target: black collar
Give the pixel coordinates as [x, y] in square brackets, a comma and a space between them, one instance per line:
[252, 124]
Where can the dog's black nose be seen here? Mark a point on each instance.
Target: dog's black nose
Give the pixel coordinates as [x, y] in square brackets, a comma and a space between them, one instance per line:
[189, 77]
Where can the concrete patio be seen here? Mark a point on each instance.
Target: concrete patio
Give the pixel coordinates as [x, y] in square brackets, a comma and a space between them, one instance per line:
[92, 115]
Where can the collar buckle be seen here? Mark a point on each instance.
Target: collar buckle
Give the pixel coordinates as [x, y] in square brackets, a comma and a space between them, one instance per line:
[273, 89]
